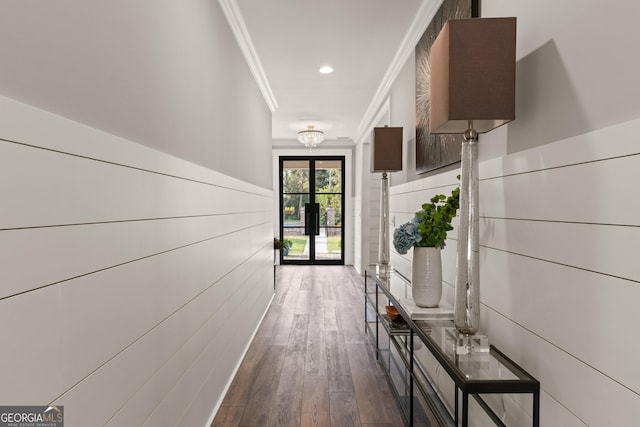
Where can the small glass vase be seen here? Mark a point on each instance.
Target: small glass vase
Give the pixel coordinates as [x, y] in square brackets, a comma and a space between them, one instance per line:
[426, 276]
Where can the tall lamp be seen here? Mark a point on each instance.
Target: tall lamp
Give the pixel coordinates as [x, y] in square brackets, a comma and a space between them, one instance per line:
[472, 91]
[387, 157]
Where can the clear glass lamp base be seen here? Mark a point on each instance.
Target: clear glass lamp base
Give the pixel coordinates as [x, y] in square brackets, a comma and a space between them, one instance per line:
[383, 238]
[467, 290]
[458, 343]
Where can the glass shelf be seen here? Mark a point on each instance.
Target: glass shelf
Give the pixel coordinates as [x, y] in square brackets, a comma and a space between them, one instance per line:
[433, 364]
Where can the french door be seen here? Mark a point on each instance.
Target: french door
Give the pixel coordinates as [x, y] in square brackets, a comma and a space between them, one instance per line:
[312, 209]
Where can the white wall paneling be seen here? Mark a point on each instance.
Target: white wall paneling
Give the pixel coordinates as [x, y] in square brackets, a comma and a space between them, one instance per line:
[159, 355]
[559, 279]
[124, 271]
[359, 214]
[54, 248]
[358, 223]
[593, 192]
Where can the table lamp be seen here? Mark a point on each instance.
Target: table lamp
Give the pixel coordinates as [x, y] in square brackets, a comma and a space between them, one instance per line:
[387, 157]
[472, 90]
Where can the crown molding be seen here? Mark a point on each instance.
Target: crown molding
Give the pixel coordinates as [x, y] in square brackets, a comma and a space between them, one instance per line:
[422, 19]
[239, 30]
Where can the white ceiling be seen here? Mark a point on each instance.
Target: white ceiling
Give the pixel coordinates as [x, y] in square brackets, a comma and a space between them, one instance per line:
[360, 39]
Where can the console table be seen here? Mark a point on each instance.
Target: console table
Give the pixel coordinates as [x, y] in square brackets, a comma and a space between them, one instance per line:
[431, 382]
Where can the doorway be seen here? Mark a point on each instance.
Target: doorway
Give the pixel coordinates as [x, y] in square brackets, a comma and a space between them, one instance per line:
[312, 209]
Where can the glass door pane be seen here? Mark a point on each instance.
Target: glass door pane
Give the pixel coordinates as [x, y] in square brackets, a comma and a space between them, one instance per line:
[329, 239]
[295, 196]
[328, 194]
[328, 176]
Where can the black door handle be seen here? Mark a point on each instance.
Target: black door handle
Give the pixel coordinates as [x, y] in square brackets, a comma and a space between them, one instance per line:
[308, 212]
[311, 219]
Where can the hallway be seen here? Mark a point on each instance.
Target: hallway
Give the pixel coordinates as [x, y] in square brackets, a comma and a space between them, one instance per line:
[310, 364]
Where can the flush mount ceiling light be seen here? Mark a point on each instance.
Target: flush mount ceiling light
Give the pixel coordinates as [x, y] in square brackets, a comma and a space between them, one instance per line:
[310, 137]
[326, 69]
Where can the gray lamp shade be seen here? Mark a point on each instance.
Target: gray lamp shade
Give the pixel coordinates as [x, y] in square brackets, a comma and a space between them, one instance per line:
[473, 75]
[387, 149]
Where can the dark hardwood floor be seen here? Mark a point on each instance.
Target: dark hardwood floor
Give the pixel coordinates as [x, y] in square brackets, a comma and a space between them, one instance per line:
[310, 363]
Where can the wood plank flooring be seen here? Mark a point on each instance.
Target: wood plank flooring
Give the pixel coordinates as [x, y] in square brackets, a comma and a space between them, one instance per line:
[310, 364]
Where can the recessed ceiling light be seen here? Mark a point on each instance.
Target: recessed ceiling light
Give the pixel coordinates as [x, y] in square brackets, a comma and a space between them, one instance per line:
[326, 69]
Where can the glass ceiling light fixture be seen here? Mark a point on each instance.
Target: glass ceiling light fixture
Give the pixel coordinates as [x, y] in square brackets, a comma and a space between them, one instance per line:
[310, 137]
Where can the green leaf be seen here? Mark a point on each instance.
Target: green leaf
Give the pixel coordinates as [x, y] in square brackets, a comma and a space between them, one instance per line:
[435, 218]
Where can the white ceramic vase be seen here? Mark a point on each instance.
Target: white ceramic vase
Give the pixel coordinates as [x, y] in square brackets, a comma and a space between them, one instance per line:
[426, 276]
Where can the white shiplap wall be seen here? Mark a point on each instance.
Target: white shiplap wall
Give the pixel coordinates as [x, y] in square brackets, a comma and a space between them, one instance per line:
[560, 281]
[131, 281]
[369, 214]
[359, 220]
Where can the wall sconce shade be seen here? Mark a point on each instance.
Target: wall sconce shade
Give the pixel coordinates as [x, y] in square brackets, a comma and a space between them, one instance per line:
[387, 149]
[473, 63]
